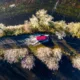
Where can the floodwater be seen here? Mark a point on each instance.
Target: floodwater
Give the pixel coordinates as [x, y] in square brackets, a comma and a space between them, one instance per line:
[40, 71]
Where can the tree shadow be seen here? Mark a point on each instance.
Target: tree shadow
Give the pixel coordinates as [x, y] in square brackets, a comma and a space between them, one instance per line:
[42, 71]
[67, 70]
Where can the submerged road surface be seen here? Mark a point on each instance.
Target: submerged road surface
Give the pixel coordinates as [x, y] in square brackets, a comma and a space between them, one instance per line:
[39, 72]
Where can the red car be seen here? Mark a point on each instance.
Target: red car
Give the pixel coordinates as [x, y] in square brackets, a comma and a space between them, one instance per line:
[37, 39]
[42, 37]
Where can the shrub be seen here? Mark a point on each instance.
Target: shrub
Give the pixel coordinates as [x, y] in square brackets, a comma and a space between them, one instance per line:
[76, 61]
[13, 55]
[50, 57]
[28, 62]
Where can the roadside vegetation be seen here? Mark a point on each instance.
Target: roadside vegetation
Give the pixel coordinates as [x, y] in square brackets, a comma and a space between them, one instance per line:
[42, 22]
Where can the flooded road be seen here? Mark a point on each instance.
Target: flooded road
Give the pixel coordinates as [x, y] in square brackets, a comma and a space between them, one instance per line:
[40, 71]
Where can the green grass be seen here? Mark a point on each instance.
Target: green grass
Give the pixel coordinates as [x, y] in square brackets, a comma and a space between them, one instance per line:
[64, 8]
[71, 11]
